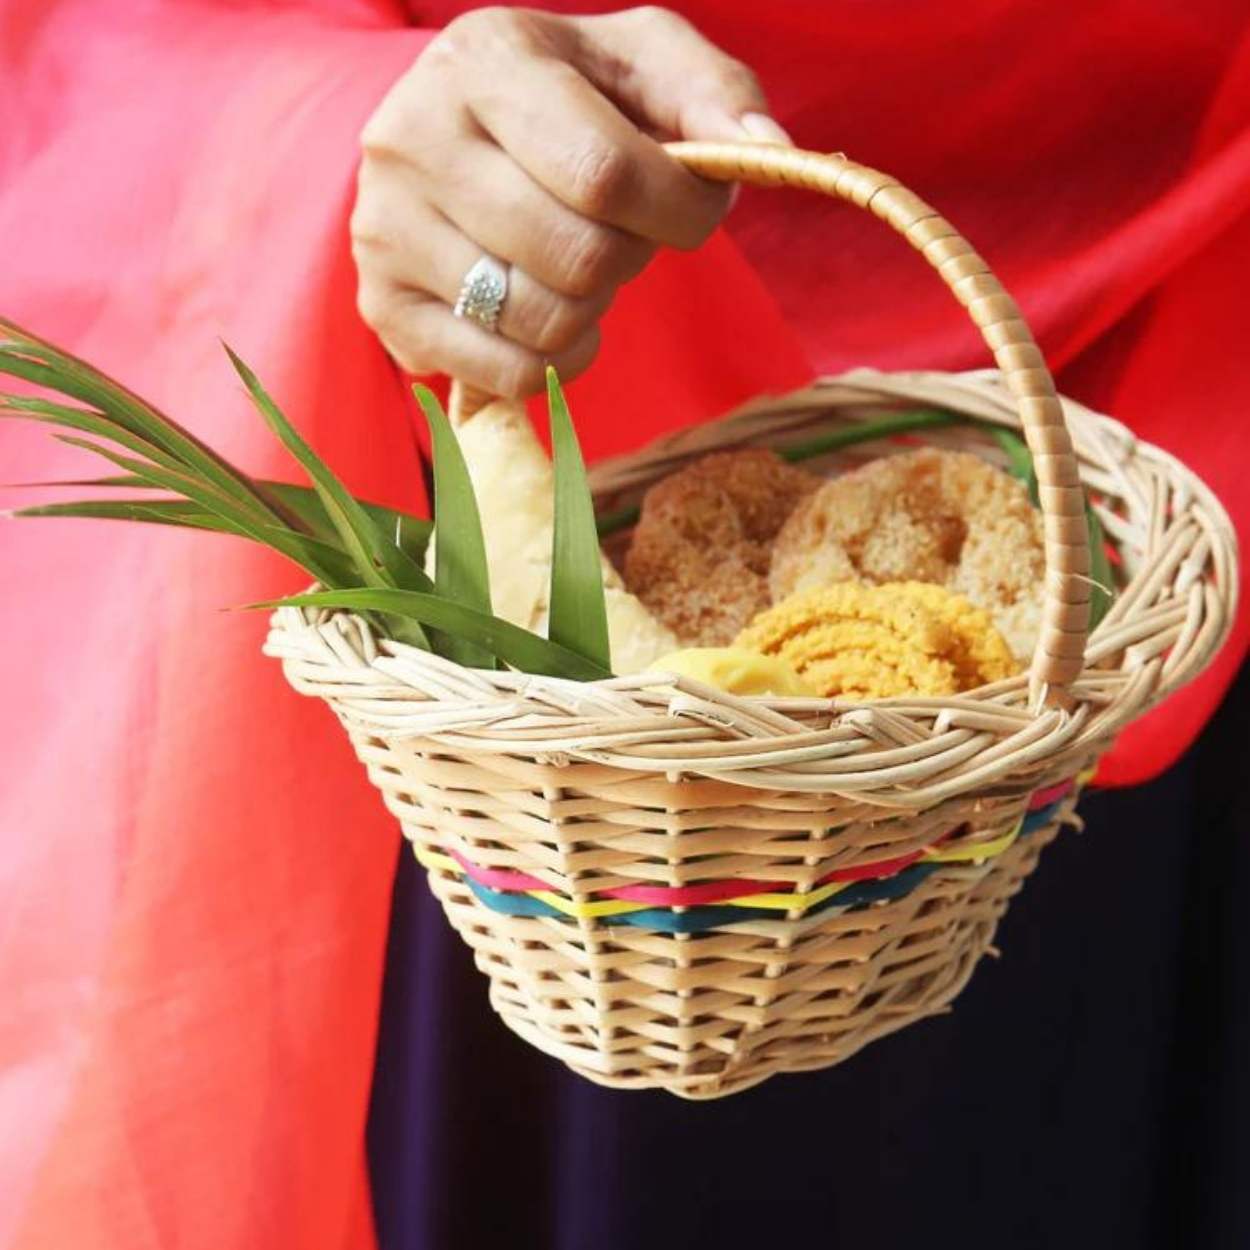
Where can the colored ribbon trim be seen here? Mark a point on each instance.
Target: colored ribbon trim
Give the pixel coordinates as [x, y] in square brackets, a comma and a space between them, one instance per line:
[615, 907]
[844, 894]
[719, 904]
[1051, 794]
[689, 895]
[978, 852]
[1033, 821]
[772, 900]
[739, 891]
[856, 896]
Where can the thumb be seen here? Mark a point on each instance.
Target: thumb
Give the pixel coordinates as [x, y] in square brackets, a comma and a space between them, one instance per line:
[662, 72]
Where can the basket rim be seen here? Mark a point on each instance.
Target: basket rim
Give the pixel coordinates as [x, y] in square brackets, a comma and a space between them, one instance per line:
[1167, 623]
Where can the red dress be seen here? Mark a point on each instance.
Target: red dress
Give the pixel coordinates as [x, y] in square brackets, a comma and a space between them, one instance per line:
[194, 873]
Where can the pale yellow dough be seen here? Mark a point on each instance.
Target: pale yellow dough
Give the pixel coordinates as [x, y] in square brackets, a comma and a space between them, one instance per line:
[736, 671]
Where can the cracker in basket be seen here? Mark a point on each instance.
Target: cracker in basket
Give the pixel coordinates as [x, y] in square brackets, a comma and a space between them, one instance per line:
[875, 642]
[700, 555]
[945, 517]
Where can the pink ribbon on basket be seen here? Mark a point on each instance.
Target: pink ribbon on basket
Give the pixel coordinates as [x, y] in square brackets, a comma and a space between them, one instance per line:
[1052, 794]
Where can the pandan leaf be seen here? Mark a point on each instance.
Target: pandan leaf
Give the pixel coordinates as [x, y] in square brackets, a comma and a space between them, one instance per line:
[85, 421]
[158, 477]
[308, 552]
[577, 613]
[181, 512]
[1100, 570]
[411, 532]
[460, 569]
[27, 356]
[378, 558]
[1019, 460]
[515, 646]
[1020, 465]
[868, 431]
[323, 560]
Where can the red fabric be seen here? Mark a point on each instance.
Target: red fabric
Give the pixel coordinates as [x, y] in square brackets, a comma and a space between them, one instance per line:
[195, 872]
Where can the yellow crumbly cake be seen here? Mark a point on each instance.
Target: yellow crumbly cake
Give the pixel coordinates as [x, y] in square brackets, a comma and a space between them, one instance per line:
[874, 642]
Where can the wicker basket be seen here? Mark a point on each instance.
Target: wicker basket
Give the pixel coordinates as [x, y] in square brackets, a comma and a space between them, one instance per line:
[670, 887]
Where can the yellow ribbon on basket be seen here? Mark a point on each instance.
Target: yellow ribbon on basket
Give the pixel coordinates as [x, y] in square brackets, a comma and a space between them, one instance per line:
[977, 853]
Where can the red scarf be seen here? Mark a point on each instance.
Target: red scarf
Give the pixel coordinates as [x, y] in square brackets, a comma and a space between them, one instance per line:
[195, 872]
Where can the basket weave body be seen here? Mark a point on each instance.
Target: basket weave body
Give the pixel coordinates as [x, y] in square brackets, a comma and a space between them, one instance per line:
[670, 887]
[644, 783]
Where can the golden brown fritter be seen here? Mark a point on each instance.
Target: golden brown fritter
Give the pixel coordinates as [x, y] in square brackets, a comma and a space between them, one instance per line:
[873, 642]
[931, 516]
[700, 555]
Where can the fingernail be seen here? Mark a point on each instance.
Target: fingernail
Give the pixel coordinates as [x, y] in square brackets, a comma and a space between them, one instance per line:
[762, 127]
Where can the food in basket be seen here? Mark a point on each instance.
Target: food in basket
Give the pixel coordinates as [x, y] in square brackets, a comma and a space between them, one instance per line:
[513, 480]
[700, 554]
[874, 642]
[736, 670]
[936, 516]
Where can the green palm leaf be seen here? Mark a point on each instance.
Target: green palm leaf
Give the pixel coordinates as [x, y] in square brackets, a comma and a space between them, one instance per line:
[460, 570]
[1020, 465]
[27, 356]
[378, 558]
[179, 512]
[323, 560]
[513, 645]
[412, 533]
[308, 552]
[577, 615]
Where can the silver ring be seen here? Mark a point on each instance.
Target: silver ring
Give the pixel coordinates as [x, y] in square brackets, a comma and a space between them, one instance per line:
[483, 291]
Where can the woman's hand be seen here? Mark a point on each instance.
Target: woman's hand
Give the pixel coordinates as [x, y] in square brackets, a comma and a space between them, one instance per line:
[534, 138]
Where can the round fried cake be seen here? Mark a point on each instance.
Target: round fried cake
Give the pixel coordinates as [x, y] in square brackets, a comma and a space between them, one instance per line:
[700, 555]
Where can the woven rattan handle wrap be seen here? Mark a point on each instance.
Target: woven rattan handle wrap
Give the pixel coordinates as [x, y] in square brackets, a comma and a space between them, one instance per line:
[1065, 620]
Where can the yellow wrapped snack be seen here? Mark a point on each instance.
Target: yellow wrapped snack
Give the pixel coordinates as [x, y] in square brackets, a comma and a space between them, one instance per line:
[736, 671]
[876, 642]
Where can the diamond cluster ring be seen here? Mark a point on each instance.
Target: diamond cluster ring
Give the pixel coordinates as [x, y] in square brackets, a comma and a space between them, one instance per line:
[482, 293]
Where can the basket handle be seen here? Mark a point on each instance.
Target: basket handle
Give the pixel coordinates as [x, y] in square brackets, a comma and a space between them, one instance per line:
[1059, 655]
